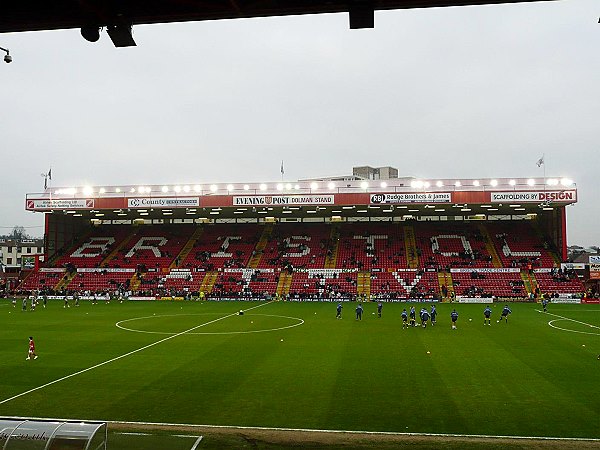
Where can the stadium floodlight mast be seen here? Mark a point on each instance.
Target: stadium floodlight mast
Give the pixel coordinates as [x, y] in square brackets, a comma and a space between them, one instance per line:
[7, 57]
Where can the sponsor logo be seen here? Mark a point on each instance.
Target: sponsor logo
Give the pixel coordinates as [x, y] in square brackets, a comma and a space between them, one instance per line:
[550, 196]
[284, 200]
[65, 203]
[415, 197]
[163, 202]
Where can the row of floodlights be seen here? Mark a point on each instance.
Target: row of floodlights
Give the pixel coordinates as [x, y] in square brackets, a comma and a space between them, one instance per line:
[415, 184]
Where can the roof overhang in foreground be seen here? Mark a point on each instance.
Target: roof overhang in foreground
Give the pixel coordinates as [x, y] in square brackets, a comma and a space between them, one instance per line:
[35, 15]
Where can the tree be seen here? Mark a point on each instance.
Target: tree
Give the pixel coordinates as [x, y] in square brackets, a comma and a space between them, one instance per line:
[19, 233]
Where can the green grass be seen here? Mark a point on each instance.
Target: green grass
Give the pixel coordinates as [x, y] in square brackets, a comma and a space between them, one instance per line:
[523, 378]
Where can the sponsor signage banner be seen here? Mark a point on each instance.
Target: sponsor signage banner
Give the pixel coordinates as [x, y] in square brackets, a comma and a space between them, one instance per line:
[63, 203]
[283, 200]
[594, 267]
[534, 196]
[569, 266]
[103, 269]
[52, 269]
[484, 270]
[461, 299]
[565, 300]
[413, 197]
[163, 202]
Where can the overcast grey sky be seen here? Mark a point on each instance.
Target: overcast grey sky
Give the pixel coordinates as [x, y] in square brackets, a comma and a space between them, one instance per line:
[465, 92]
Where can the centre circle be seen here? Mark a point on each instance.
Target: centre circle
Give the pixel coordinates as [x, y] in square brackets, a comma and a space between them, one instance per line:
[242, 324]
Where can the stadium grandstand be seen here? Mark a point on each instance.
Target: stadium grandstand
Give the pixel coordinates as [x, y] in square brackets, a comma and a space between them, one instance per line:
[321, 239]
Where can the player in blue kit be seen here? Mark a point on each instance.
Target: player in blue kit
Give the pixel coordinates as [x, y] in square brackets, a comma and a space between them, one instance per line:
[413, 316]
[338, 314]
[424, 318]
[487, 313]
[454, 318]
[404, 319]
[359, 312]
[505, 312]
[433, 315]
[545, 304]
[379, 308]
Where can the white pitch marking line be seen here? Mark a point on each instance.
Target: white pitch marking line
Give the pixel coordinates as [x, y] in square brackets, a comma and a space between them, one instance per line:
[572, 320]
[119, 325]
[316, 430]
[124, 355]
[134, 434]
[197, 443]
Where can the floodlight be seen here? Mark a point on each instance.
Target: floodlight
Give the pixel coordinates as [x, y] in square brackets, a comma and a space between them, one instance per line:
[246, 187]
[475, 183]
[494, 183]
[102, 190]
[263, 187]
[531, 182]
[186, 189]
[197, 188]
[383, 184]
[230, 187]
[165, 189]
[331, 185]
[566, 182]
[279, 186]
[87, 190]
[177, 189]
[439, 184]
[512, 182]
[213, 188]
[314, 185]
[296, 186]
[7, 57]
[117, 190]
[288, 186]
[552, 182]
[364, 185]
[457, 184]
[426, 184]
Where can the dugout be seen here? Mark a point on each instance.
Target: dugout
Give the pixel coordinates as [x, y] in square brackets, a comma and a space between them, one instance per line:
[23, 434]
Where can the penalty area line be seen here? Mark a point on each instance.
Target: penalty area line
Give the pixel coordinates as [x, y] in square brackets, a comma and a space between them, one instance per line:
[568, 318]
[66, 377]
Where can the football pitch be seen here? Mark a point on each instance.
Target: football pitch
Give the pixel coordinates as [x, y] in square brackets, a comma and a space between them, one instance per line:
[293, 365]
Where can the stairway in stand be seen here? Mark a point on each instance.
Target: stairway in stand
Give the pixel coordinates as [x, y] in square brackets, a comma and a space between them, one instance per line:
[331, 260]
[208, 283]
[363, 284]
[410, 243]
[187, 248]
[284, 283]
[260, 246]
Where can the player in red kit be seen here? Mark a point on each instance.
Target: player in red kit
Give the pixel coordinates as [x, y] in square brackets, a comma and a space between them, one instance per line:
[31, 349]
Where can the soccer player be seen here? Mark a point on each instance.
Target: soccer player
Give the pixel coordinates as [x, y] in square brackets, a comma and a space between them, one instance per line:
[505, 312]
[379, 308]
[359, 311]
[14, 301]
[454, 318]
[487, 312]
[413, 316]
[424, 318]
[433, 315]
[45, 298]
[31, 351]
[338, 314]
[545, 304]
[24, 303]
[404, 319]
[76, 298]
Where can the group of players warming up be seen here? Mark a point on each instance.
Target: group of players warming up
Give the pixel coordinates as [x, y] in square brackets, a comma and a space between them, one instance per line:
[409, 319]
